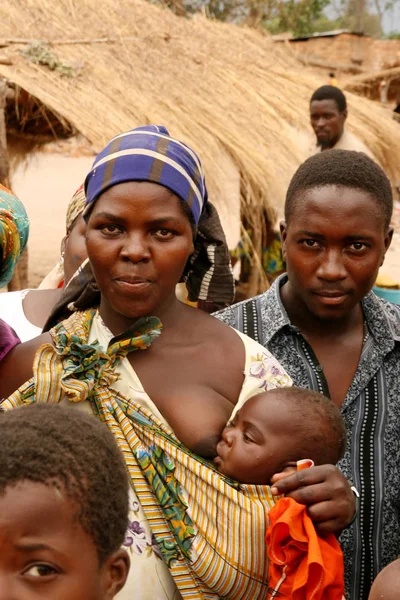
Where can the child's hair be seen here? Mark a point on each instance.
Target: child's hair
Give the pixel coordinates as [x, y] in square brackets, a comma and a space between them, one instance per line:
[76, 453]
[329, 441]
[345, 168]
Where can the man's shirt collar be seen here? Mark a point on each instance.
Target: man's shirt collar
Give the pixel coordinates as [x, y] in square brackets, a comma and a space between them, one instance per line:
[382, 318]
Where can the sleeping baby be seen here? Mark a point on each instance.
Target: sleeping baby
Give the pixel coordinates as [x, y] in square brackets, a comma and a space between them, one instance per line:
[286, 429]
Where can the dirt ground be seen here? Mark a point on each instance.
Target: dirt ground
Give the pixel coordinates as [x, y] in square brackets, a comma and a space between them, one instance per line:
[45, 185]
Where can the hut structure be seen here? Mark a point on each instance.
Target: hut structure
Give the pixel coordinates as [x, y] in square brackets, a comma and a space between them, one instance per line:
[344, 51]
[101, 67]
[370, 85]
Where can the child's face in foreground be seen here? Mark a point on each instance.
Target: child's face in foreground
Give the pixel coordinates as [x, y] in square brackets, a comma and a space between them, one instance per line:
[264, 438]
[45, 553]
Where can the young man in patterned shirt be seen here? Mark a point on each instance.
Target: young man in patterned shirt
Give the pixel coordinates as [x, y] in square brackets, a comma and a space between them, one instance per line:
[333, 335]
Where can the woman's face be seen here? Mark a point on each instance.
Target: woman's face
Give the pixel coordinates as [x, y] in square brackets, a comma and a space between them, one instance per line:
[138, 241]
[74, 248]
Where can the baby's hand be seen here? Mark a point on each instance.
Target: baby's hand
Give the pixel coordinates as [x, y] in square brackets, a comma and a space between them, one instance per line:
[278, 476]
[289, 470]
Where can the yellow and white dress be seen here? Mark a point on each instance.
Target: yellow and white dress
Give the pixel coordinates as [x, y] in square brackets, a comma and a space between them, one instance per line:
[192, 532]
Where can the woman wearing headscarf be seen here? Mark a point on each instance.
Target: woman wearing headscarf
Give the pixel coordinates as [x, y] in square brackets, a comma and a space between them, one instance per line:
[73, 247]
[14, 231]
[27, 311]
[163, 376]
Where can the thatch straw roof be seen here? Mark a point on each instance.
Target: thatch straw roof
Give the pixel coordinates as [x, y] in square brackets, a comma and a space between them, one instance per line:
[238, 98]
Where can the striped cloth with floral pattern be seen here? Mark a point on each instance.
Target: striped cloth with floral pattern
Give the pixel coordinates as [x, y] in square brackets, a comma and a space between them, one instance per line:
[210, 530]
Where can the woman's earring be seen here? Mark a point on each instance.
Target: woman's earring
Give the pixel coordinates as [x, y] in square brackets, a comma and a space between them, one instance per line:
[61, 261]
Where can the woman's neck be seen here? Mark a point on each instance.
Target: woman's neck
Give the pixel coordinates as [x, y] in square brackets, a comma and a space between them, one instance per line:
[169, 314]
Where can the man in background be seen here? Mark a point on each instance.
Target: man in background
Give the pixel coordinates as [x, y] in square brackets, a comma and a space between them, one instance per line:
[328, 114]
[333, 80]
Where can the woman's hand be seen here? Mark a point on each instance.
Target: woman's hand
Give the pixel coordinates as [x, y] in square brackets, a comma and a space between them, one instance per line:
[326, 492]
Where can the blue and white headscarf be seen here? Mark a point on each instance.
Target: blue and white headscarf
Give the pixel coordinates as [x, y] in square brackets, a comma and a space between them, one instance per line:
[149, 153]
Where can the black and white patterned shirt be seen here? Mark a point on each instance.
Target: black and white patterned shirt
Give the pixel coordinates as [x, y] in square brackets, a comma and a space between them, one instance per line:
[371, 411]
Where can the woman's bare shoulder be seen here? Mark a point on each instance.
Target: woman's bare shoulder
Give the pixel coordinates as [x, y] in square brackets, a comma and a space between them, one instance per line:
[221, 340]
[207, 323]
[16, 367]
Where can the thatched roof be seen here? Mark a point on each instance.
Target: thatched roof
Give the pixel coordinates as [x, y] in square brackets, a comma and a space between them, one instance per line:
[369, 84]
[239, 99]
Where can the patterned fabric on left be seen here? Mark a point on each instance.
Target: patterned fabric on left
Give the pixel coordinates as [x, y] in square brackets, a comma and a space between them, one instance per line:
[209, 530]
[8, 339]
[14, 231]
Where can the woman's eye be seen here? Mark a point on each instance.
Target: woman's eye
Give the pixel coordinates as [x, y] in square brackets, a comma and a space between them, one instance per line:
[247, 438]
[310, 243]
[110, 229]
[165, 234]
[40, 570]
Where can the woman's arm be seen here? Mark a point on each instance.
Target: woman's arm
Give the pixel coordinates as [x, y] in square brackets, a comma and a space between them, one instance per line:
[326, 492]
[17, 367]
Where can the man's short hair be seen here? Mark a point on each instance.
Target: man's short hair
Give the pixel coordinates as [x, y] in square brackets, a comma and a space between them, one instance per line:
[330, 92]
[329, 440]
[345, 168]
[76, 453]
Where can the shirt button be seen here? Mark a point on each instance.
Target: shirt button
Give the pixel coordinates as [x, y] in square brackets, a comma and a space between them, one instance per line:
[319, 369]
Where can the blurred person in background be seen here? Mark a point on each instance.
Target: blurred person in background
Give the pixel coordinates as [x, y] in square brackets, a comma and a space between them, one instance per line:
[27, 310]
[328, 114]
[14, 232]
[332, 80]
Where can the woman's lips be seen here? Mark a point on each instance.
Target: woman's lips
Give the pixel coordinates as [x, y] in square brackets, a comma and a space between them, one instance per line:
[134, 284]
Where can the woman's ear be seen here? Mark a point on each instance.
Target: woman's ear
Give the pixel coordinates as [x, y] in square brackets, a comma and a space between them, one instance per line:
[63, 244]
[115, 573]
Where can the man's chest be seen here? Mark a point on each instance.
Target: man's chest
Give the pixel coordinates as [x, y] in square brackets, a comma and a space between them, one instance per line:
[338, 361]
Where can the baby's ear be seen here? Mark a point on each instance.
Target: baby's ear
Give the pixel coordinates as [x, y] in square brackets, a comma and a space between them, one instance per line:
[115, 573]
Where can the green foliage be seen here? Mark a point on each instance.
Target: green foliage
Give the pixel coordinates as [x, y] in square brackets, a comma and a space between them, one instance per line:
[394, 35]
[298, 17]
[305, 17]
[323, 23]
[371, 23]
[41, 54]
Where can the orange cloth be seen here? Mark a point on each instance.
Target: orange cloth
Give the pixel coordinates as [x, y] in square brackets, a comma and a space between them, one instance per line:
[303, 566]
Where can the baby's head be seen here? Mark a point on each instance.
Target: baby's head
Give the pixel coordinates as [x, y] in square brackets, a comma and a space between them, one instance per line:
[63, 505]
[275, 429]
